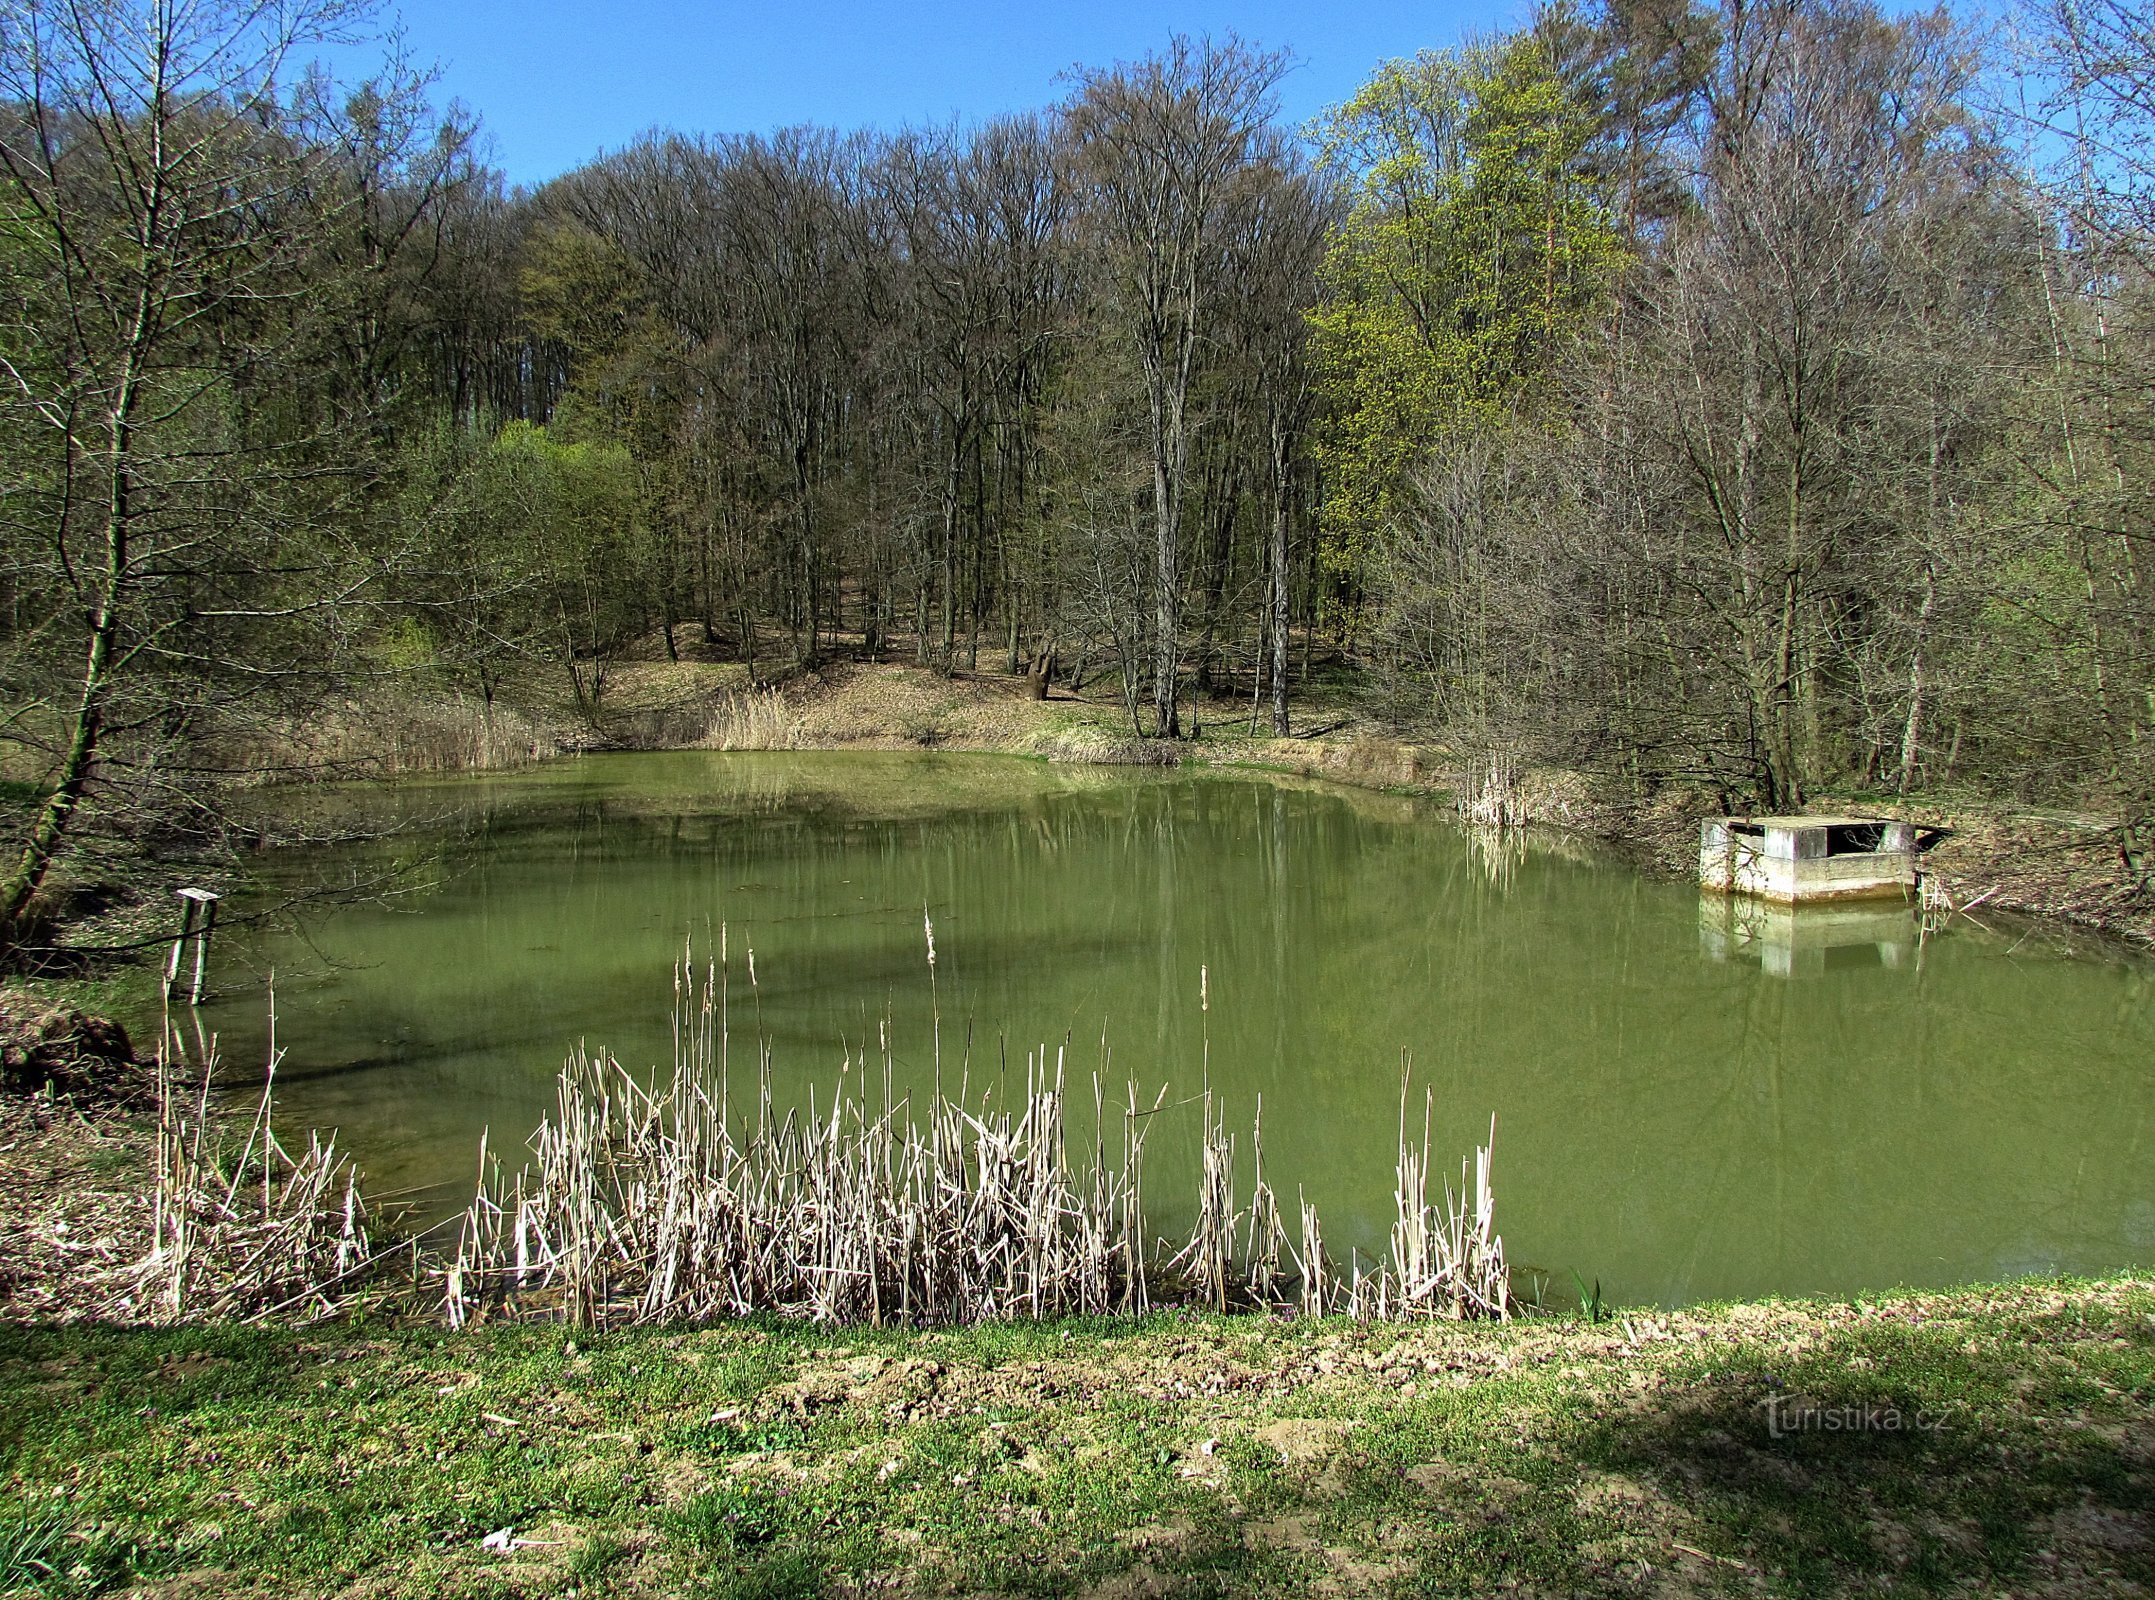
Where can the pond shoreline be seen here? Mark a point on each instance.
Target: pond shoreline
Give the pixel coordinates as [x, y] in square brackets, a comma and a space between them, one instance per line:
[80, 1150]
[1987, 1436]
[2061, 869]
[2056, 865]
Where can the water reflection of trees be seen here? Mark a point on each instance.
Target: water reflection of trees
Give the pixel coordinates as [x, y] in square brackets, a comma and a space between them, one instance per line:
[1668, 1123]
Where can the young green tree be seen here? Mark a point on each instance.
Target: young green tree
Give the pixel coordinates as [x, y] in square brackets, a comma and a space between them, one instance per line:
[561, 526]
[1478, 239]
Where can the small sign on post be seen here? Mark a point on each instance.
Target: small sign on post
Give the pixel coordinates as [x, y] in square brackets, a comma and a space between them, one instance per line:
[198, 917]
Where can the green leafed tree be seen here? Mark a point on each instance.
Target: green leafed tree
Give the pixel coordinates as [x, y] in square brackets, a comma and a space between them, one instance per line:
[565, 517]
[1479, 238]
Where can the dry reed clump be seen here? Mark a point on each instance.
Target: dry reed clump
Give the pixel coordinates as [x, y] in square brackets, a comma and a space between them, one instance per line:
[751, 719]
[1446, 1258]
[1489, 795]
[246, 1235]
[659, 1204]
[1365, 760]
[648, 1205]
[394, 736]
[1097, 746]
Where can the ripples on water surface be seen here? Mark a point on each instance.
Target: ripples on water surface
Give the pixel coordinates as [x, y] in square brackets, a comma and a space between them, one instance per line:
[1693, 1101]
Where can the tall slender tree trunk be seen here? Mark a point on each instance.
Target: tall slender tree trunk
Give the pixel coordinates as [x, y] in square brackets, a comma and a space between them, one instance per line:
[947, 655]
[1280, 472]
[72, 779]
[1784, 777]
[1912, 728]
[1167, 470]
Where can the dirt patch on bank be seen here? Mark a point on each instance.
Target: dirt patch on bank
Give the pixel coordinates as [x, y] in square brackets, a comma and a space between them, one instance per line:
[882, 706]
[2051, 864]
[72, 1210]
[50, 1048]
[76, 1144]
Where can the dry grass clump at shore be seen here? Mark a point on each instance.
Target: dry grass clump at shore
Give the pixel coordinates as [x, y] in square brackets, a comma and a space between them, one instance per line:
[241, 1233]
[400, 735]
[678, 1204]
[1100, 746]
[753, 719]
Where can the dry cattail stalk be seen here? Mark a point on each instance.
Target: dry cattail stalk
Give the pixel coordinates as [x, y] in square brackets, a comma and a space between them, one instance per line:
[1489, 797]
[647, 1204]
[266, 1231]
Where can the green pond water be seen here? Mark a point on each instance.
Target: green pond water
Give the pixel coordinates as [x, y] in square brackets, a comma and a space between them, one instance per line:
[1693, 1099]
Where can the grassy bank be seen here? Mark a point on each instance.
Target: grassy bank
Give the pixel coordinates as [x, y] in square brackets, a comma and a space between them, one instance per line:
[2007, 1442]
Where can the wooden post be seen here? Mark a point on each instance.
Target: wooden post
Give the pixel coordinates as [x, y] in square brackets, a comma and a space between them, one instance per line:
[202, 948]
[179, 944]
[197, 920]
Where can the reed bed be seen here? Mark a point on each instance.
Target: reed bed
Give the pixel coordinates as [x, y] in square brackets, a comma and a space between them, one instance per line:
[1489, 796]
[248, 1234]
[394, 735]
[670, 1203]
[751, 719]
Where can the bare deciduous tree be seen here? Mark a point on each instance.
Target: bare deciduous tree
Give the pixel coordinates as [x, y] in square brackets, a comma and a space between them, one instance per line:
[179, 200]
[1163, 147]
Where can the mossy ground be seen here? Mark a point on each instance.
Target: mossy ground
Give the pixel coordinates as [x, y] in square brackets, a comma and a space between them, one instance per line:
[1175, 1455]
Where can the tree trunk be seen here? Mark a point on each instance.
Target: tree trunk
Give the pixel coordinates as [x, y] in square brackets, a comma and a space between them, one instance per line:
[1912, 730]
[1167, 610]
[1783, 777]
[73, 777]
[1279, 581]
[59, 809]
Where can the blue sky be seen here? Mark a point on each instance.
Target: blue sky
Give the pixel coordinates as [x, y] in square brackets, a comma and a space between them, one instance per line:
[555, 81]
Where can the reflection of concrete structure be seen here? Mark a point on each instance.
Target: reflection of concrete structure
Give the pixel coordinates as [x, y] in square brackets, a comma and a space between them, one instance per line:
[1809, 860]
[1797, 941]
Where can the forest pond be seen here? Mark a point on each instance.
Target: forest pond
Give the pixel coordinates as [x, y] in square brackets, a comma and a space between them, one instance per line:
[1692, 1100]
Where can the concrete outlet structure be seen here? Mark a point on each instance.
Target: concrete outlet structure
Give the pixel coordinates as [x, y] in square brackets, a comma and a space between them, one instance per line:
[1811, 860]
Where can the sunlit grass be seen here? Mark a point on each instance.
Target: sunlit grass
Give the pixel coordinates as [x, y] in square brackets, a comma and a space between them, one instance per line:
[1217, 1454]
